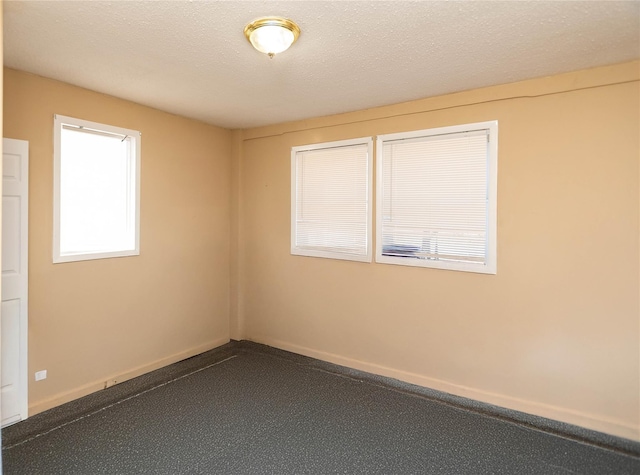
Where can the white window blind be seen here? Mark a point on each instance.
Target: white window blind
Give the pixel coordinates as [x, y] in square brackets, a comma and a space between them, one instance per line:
[436, 198]
[331, 197]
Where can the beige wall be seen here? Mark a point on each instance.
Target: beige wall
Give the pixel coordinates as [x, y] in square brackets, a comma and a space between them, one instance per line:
[554, 333]
[106, 319]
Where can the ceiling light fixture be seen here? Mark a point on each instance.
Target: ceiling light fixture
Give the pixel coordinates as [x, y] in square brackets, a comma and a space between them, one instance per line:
[271, 35]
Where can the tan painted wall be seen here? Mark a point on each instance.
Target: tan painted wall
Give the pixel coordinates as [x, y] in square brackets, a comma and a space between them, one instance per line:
[116, 318]
[236, 325]
[554, 333]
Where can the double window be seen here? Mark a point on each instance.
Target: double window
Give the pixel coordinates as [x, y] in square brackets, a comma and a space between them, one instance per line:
[436, 198]
[96, 190]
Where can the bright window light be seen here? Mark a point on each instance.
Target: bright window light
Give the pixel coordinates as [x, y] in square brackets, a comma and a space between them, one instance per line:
[96, 186]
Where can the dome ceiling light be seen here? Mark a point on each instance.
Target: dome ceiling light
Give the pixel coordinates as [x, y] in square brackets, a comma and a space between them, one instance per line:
[272, 35]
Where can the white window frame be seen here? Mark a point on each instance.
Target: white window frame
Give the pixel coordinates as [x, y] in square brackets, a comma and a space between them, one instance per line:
[490, 267]
[59, 121]
[368, 141]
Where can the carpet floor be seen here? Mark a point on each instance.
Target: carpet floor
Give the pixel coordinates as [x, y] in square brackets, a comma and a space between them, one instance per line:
[251, 411]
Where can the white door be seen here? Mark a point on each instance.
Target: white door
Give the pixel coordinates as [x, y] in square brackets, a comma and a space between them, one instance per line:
[13, 328]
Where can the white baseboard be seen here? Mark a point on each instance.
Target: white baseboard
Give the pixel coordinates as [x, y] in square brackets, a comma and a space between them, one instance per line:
[570, 416]
[94, 386]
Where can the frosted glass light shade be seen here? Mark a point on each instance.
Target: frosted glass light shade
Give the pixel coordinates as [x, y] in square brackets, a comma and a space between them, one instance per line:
[272, 35]
[271, 39]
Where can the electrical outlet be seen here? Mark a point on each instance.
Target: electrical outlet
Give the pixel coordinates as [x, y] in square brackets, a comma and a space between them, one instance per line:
[40, 375]
[110, 382]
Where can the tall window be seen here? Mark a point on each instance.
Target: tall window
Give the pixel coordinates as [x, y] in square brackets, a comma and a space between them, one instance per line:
[331, 200]
[96, 190]
[436, 198]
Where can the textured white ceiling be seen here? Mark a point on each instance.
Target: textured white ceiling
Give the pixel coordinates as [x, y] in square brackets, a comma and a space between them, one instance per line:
[191, 58]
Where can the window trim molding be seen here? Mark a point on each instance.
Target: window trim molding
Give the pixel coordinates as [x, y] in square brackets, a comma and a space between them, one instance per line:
[368, 141]
[492, 192]
[58, 122]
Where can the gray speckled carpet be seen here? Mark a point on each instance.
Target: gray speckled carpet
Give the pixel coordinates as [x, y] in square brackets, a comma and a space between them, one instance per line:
[242, 409]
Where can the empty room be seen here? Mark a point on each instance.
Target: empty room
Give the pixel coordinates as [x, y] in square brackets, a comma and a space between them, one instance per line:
[320, 237]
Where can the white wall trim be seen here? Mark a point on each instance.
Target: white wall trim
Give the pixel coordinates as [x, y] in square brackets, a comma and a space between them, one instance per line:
[95, 386]
[589, 421]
